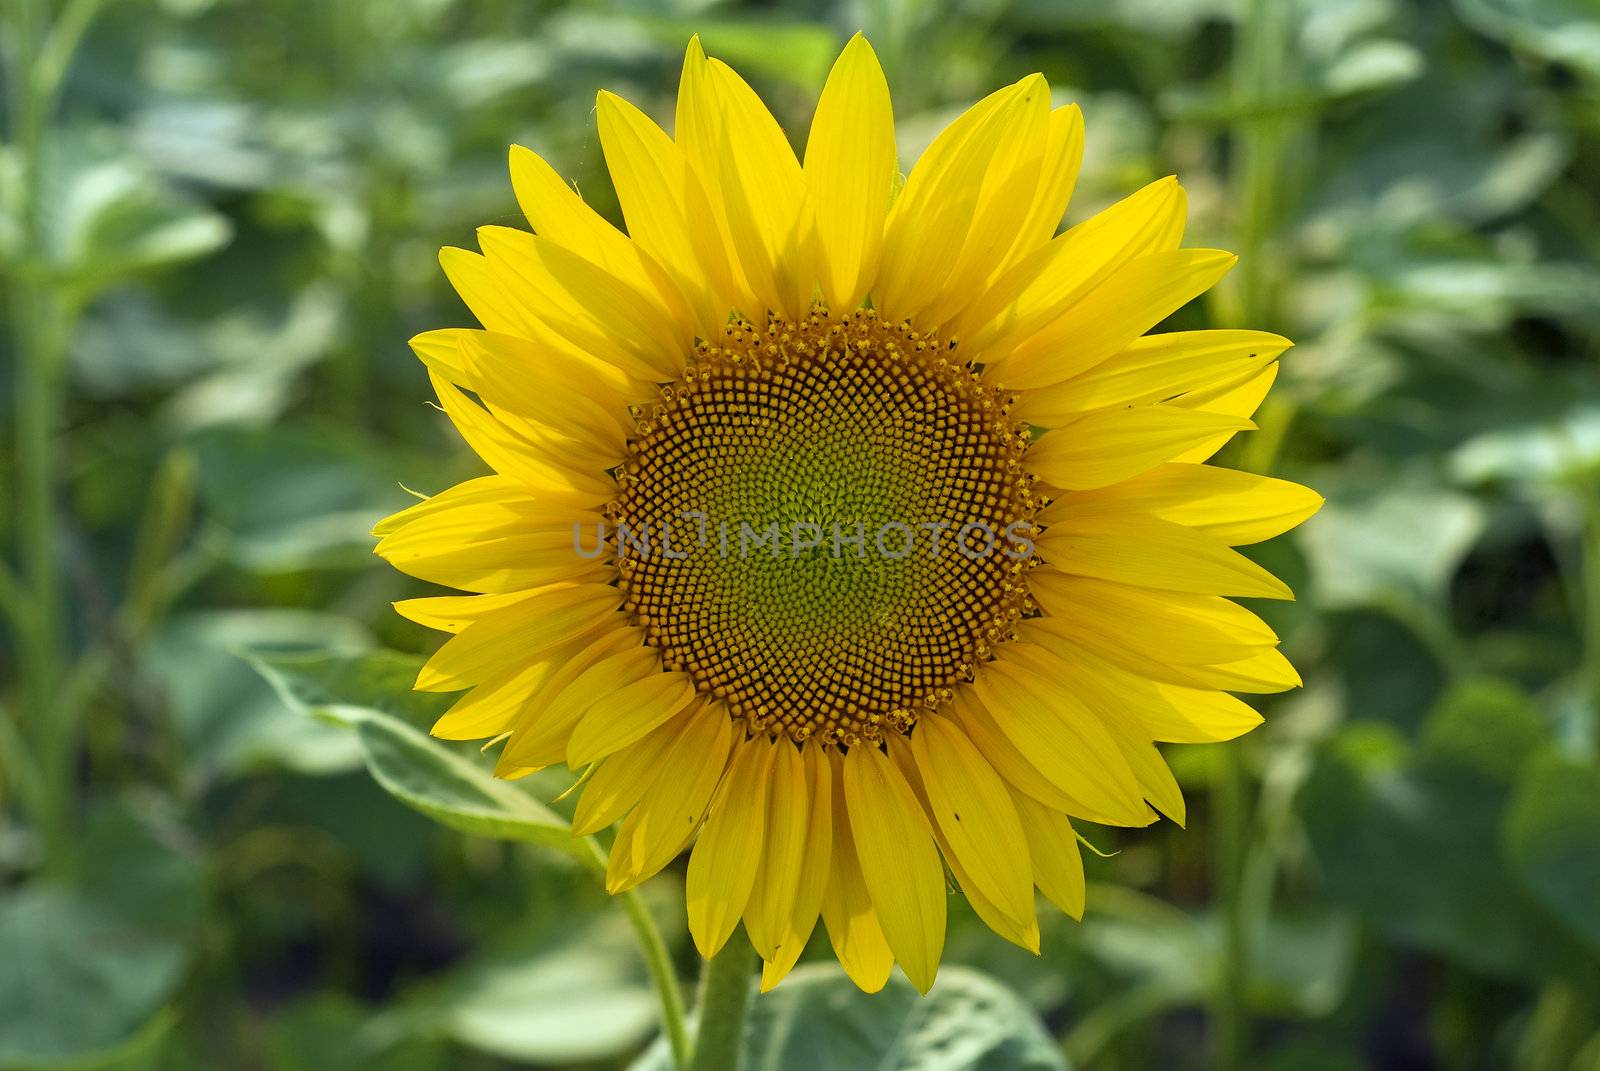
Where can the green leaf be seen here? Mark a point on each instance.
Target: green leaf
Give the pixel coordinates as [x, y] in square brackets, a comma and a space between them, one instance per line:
[1366, 546]
[111, 217]
[569, 989]
[229, 720]
[1560, 450]
[1411, 841]
[88, 965]
[817, 1018]
[1552, 835]
[1560, 31]
[294, 498]
[423, 773]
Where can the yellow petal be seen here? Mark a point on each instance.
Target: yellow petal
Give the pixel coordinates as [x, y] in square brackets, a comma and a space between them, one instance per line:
[763, 195]
[1169, 713]
[727, 857]
[1024, 932]
[547, 389]
[584, 677]
[619, 782]
[1189, 629]
[557, 212]
[816, 869]
[771, 905]
[452, 613]
[1235, 507]
[1004, 203]
[758, 212]
[665, 207]
[627, 714]
[1112, 445]
[898, 861]
[934, 215]
[1138, 549]
[969, 802]
[492, 707]
[514, 633]
[1052, 278]
[511, 455]
[1058, 174]
[1063, 740]
[1152, 369]
[1053, 851]
[1007, 759]
[1235, 399]
[1265, 670]
[1130, 302]
[492, 299]
[591, 308]
[849, 170]
[491, 547]
[671, 809]
[853, 926]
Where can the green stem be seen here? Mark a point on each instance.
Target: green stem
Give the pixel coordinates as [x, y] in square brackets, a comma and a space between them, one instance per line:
[724, 995]
[1258, 140]
[659, 963]
[1589, 669]
[1231, 824]
[657, 957]
[39, 337]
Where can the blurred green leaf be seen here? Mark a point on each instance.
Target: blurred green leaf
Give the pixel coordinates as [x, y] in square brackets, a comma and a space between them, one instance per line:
[227, 717]
[1561, 31]
[1377, 541]
[293, 498]
[423, 773]
[110, 216]
[818, 1019]
[1413, 844]
[1552, 834]
[571, 989]
[332, 1032]
[1564, 450]
[86, 965]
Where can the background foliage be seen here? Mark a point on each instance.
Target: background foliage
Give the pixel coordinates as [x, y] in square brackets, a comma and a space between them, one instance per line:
[218, 230]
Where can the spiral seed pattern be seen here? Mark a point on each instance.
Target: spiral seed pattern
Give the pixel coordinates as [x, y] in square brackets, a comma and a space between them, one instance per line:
[802, 524]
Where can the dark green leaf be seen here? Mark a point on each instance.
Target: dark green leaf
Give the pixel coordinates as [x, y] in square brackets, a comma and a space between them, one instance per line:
[1552, 834]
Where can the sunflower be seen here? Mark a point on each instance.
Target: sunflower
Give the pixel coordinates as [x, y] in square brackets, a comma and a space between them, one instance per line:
[851, 531]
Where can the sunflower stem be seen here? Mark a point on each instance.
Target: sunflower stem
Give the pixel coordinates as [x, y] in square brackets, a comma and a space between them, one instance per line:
[724, 995]
[658, 961]
[653, 947]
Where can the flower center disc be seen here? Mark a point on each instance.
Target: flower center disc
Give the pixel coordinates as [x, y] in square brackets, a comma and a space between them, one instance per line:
[813, 524]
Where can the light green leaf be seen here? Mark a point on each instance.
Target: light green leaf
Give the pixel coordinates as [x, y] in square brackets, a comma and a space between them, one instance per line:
[1375, 542]
[571, 989]
[423, 773]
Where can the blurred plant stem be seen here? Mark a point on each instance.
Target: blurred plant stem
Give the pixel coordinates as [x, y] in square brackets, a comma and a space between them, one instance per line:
[659, 962]
[1589, 670]
[1258, 140]
[724, 996]
[44, 312]
[657, 957]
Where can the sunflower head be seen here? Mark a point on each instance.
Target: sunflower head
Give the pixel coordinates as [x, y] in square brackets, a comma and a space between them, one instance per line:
[847, 535]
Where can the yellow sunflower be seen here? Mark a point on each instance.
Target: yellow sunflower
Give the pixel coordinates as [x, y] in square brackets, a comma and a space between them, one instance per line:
[852, 532]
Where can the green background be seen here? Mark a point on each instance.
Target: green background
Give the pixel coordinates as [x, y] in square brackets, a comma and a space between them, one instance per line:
[218, 226]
